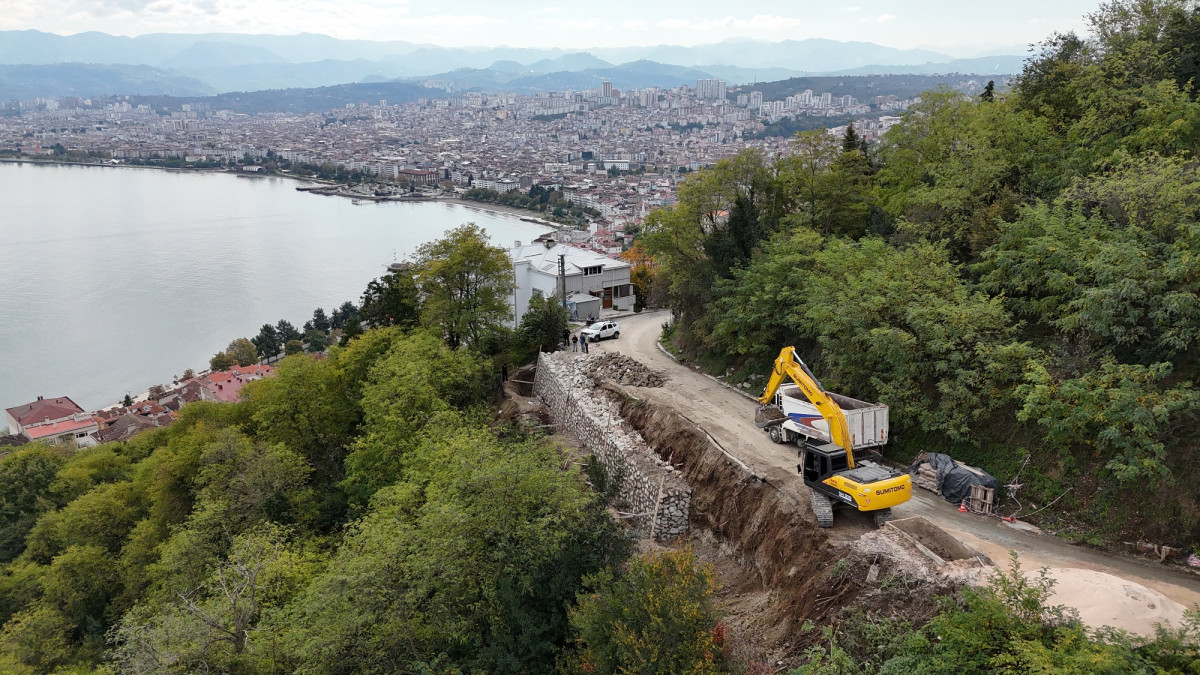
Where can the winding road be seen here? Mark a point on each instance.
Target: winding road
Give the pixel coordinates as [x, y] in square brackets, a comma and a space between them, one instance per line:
[727, 415]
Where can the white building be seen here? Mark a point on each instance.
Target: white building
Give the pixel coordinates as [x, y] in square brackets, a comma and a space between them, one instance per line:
[602, 281]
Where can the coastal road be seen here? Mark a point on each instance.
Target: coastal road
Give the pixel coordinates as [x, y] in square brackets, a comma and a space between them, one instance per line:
[727, 415]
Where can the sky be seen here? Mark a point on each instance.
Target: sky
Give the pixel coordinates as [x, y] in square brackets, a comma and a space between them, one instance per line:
[961, 28]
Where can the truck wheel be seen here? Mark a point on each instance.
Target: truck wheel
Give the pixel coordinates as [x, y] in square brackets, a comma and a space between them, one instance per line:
[773, 432]
[616, 335]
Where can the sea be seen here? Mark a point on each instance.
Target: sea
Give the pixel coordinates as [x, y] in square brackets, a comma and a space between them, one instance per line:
[114, 279]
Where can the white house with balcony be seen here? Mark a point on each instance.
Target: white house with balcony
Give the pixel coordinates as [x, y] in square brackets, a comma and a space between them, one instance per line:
[594, 281]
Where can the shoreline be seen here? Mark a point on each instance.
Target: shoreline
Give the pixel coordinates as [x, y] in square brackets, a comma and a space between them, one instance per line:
[319, 187]
[524, 214]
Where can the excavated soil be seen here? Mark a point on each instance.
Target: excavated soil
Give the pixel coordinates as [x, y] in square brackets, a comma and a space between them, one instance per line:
[776, 568]
[623, 370]
[780, 578]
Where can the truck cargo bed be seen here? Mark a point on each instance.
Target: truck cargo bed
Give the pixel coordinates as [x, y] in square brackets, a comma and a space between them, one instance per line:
[867, 422]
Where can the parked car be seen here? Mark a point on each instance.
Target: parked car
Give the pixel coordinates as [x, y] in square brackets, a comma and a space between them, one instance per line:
[602, 329]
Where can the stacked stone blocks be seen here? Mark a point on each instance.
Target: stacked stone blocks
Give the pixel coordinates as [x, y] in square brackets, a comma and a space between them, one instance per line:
[651, 487]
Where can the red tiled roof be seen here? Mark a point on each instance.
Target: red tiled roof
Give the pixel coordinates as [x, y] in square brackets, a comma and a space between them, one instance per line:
[43, 409]
[55, 428]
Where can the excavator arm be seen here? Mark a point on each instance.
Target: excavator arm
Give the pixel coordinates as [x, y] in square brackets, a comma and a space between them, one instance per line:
[788, 365]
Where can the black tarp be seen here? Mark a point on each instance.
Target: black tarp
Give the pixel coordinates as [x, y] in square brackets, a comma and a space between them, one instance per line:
[954, 482]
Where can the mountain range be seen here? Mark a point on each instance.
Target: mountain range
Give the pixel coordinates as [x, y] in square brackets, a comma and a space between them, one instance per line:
[34, 63]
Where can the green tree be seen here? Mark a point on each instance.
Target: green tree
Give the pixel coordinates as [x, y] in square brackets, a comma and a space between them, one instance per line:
[471, 560]
[543, 324]
[350, 330]
[320, 321]
[268, 341]
[286, 332]
[306, 407]
[466, 284]
[342, 314]
[221, 361]
[658, 616]
[26, 477]
[316, 341]
[989, 92]
[293, 347]
[128, 400]
[391, 300]
[243, 351]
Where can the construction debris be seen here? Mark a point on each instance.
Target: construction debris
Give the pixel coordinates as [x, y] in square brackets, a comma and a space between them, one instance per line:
[955, 482]
[623, 370]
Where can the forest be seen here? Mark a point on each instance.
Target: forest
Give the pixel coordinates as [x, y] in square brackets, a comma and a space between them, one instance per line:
[358, 513]
[1014, 274]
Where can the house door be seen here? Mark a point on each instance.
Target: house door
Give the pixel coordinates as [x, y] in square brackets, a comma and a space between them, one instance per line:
[607, 300]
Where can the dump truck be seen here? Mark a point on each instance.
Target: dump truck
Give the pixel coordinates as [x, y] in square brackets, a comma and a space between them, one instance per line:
[828, 428]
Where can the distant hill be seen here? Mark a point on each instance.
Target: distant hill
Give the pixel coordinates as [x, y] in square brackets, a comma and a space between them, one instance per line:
[209, 54]
[863, 87]
[291, 75]
[984, 65]
[85, 80]
[300, 101]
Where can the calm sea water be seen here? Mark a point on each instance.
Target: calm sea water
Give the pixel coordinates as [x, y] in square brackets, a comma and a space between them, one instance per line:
[116, 279]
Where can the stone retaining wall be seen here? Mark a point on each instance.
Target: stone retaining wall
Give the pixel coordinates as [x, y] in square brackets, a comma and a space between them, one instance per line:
[650, 484]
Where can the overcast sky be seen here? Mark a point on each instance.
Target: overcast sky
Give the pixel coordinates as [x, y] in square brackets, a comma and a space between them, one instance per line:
[958, 27]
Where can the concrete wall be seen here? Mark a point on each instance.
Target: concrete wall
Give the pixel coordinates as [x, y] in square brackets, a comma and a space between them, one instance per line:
[579, 409]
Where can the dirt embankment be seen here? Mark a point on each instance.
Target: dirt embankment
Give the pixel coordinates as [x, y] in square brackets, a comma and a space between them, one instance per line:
[777, 569]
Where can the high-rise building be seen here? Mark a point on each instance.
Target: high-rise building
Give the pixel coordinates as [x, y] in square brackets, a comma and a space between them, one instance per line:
[755, 100]
[606, 90]
[710, 89]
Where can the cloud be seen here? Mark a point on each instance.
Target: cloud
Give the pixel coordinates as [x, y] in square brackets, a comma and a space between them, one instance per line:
[884, 18]
[851, 9]
[760, 22]
[635, 25]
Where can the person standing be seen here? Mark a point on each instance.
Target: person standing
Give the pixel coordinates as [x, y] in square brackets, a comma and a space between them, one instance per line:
[504, 373]
[566, 337]
[583, 343]
[574, 343]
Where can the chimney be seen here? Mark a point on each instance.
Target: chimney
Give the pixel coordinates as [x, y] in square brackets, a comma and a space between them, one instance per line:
[39, 398]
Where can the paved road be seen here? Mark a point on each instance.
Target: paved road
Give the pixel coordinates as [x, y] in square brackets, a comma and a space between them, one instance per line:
[728, 416]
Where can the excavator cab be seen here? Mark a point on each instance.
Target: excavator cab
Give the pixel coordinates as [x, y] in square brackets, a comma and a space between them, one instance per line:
[819, 462]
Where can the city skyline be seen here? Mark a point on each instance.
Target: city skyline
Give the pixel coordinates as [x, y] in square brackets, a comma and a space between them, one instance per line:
[941, 25]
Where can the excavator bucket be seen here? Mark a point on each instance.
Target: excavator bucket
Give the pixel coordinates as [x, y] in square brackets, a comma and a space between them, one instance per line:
[769, 416]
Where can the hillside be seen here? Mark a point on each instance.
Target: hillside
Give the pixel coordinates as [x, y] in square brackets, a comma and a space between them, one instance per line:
[84, 80]
[1013, 274]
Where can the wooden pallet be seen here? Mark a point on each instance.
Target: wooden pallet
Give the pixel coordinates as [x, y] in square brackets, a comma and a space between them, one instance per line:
[982, 499]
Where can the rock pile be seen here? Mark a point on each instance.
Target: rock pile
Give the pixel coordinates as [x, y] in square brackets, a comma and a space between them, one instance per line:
[623, 370]
[653, 489]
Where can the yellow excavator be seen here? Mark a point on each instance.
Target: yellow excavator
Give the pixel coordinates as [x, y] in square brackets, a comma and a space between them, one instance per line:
[828, 468]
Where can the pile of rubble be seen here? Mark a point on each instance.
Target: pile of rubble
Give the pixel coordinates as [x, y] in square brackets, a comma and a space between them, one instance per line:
[623, 370]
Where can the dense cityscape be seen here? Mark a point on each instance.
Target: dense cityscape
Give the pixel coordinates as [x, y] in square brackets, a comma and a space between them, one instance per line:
[579, 142]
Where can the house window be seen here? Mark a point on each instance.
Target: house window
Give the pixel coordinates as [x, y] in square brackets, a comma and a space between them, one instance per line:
[621, 291]
[589, 271]
[537, 293]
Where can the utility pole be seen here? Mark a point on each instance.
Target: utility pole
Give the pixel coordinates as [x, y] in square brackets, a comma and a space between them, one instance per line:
[562, 277]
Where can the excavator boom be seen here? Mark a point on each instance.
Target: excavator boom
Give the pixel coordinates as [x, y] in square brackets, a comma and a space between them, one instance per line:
[789, 365]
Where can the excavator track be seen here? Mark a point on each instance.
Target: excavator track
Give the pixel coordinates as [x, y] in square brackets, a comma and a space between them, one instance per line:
[882, 516]
[822, 509]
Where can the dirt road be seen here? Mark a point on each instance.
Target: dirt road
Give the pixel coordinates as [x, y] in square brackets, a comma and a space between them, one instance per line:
[727, 416]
